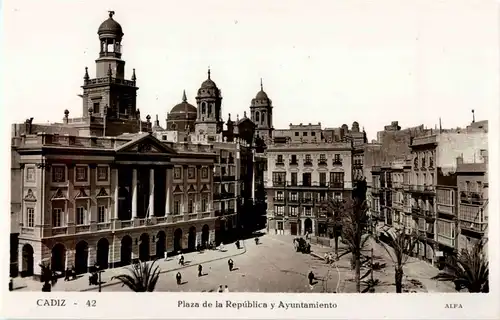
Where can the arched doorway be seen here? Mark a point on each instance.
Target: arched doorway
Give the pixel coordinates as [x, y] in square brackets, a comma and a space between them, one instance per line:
[27, 267]
[205, 235]
[160, 244]
[126, 251]
[308, 225]
[192, 239]
[144, 247]
[177, 240]
[102, 253]
[58, 260]
[81, 257]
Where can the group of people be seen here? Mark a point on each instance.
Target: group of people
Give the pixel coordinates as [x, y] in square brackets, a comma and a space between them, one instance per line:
[329, 258]
[226, 289]
[70, 274]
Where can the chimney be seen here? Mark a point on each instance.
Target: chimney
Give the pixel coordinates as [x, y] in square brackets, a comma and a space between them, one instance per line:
[460, 160]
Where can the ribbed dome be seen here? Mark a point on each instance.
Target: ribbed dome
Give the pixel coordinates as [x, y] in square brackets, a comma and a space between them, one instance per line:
[183, 109]
[261, 95]
[110, 26]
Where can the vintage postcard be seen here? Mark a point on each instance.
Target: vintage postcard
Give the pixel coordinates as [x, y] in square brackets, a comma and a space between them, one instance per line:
[250, 159]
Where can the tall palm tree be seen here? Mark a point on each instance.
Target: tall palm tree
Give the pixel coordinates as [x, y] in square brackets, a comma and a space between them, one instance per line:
[399, 246]
[142, 278]
[355, 222]
[333, 208]
[468, 269]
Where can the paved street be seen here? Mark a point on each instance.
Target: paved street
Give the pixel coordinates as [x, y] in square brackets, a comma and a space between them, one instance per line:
[271, 266]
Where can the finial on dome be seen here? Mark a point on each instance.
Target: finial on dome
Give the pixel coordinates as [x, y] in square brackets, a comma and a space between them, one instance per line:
[111, 14]
[237, 117]
[86, 76]
[228, 117]
[244, 114]
[208, 72]
[184, 98]
[133, 75]
[261, 86]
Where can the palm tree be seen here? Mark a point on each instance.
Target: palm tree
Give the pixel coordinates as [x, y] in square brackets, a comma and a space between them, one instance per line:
[142, 278]
[399, 246]
[468, 269]
[333, 208]
[355, 221]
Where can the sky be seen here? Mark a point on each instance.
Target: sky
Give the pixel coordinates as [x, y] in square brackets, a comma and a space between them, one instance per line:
[333, 62]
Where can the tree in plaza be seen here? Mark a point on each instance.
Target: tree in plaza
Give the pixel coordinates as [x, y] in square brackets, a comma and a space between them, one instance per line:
[355, 224]
[469, 269]
[333, 209]
[142, 278]
[399, 247]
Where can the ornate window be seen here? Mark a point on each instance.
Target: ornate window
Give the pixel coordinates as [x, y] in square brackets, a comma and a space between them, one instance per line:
[101, 214]
[57, 216]
[58, 174]
[191, 173]
[177, 173]
[81, 174]
[80, 215]
[30, 174]
[102, 173]
[204, 173]
[204, 201]
[190, 204]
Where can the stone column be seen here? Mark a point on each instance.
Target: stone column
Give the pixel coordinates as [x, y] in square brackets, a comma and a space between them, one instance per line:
[116, 188]
[134, 193]
[151, 192]
[167, 198]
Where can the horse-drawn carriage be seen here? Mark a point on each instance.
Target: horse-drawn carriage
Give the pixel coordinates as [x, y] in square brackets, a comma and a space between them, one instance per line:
[301, 245]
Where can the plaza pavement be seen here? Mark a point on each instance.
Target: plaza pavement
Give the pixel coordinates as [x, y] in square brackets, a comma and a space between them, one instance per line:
[271, 266]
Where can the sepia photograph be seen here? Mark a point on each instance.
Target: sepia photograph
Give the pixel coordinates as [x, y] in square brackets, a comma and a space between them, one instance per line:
[243, 148]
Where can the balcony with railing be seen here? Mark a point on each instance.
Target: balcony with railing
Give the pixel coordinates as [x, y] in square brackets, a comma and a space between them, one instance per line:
[322, 162]
[294, 162]
[278, 183]
[278, 199]
[424, 189]
[336, 185]
[308, 163]
[471, 197]
[337, 162]
[477, 227]
[306, 201]
[280, 162]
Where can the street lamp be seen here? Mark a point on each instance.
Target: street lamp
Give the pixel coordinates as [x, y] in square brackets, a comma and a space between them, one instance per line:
[99, 271]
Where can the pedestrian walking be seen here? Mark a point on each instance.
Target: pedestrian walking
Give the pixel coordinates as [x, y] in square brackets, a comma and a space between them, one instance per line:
[220, 289]
[67, 274]
[256, 241]
[200, 269]
[230, 263]
[226, 289]
[165, 256]
[238, 244]
[311, 278]
[181, 260]
[178, 277]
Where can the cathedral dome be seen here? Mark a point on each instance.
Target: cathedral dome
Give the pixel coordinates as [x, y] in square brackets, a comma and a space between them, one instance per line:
[208, 88]
[110, 26]
[183, 110]
[261, 95]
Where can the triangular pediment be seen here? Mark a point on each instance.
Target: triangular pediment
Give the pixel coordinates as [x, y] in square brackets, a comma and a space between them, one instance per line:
[102, 193]
[204, 188]
[145, 143]
[177, 189]
[58, 195]
[30, 196]
[191, 189]
[81, 194]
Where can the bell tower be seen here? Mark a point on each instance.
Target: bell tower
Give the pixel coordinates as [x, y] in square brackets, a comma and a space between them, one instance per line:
[109, 95]
[261, 113]
[209, 101]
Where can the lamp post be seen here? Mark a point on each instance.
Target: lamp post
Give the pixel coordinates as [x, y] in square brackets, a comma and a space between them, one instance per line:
[99, 271]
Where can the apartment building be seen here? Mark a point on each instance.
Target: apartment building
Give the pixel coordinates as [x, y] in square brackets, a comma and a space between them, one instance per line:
[300, 177]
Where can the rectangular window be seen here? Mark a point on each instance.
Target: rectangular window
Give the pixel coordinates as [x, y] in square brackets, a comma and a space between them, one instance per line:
[279, 195]
[294, 211]
[306, 179]
[102, 173]
[322, 179]
[191, 173]
[322, 157]
[308, 159]
[294, 178]
[96, 107]
[101, 214]
[294, 159]
[177, 173]
[57, 216]
[337, 179]
[294, 196]
[58, 174]
[279, 210]
[30, 174]
[177, 207]
[204, 173]
[304, 134]
[308, 211]
[30, 217]
[337, 159]
[190, 204]
[280, 158]
[80, 215]
[204, 201]
[280, 225]
[313, 134]
[81, 174]
[279, 178]
[296, 134]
